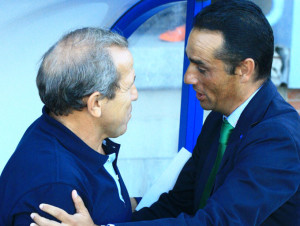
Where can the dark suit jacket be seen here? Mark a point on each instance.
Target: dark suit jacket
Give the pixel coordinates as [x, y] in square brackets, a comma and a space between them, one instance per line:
[258, 179]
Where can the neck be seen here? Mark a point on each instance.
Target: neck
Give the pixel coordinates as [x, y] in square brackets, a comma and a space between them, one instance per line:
[244, 93]
[83, 126]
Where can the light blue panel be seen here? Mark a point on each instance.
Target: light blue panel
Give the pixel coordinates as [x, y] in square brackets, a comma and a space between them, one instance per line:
[294, 78]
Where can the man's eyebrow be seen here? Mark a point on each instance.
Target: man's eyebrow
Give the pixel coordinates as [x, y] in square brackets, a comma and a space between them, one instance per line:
[133, 80]
[198, 62]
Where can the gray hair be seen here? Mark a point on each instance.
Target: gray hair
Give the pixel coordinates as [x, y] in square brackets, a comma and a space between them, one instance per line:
[78, 65]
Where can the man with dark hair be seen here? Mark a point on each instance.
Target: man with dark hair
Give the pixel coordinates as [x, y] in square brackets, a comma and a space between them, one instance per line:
[245, 167]
[86, 81]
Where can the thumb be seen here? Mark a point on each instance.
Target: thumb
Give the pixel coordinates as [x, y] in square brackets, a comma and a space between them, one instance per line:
[79, 205]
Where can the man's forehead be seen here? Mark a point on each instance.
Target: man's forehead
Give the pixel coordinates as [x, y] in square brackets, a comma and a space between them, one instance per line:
[203, 42]
[206, 35]
[121, 56]
[117, 51]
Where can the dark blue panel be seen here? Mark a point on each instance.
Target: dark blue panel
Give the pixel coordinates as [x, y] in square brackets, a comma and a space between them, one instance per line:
[184, 112]
[191, 116]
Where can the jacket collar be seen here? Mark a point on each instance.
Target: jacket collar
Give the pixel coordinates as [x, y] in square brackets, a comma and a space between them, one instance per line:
[254, 112]
[75, 145]
[252, 115]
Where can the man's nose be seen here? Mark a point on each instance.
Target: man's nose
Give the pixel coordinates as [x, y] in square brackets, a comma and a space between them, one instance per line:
[134, 93]
[190, 76]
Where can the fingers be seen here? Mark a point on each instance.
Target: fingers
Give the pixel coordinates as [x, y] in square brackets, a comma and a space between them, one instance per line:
[42, 221]
[79, 205]
[56, 212]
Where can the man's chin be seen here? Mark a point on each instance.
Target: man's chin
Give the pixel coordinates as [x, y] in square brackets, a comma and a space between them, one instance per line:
[205, 106]
[123, 130]
[118, 133]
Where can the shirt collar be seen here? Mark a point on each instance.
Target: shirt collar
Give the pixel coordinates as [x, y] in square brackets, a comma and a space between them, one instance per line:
[75, 145]
[235, 115]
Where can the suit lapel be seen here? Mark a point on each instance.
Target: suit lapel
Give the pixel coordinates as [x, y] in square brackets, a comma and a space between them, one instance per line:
[250, 117]
[207, 150]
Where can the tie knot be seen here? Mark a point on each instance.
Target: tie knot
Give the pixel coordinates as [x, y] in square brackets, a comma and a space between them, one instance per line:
[226, 130]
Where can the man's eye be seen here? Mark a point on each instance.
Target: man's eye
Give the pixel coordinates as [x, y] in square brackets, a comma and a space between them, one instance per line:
[201, 70]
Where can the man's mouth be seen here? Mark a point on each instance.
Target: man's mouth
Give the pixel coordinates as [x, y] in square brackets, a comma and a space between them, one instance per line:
[200, 96]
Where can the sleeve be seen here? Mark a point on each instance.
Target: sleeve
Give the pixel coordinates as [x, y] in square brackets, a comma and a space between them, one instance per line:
[266, 175]
[55, 194]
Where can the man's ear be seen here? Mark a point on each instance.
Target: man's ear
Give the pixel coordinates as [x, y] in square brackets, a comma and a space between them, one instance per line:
[246, 70]
[94, 104]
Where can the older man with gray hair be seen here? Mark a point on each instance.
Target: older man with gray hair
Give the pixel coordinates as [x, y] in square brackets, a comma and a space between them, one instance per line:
[86, 81]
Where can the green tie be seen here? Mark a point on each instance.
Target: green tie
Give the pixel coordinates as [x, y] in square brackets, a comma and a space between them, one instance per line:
[226, 130]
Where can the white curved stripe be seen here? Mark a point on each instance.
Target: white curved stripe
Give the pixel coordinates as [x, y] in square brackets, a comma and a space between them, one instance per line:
[276, 12]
